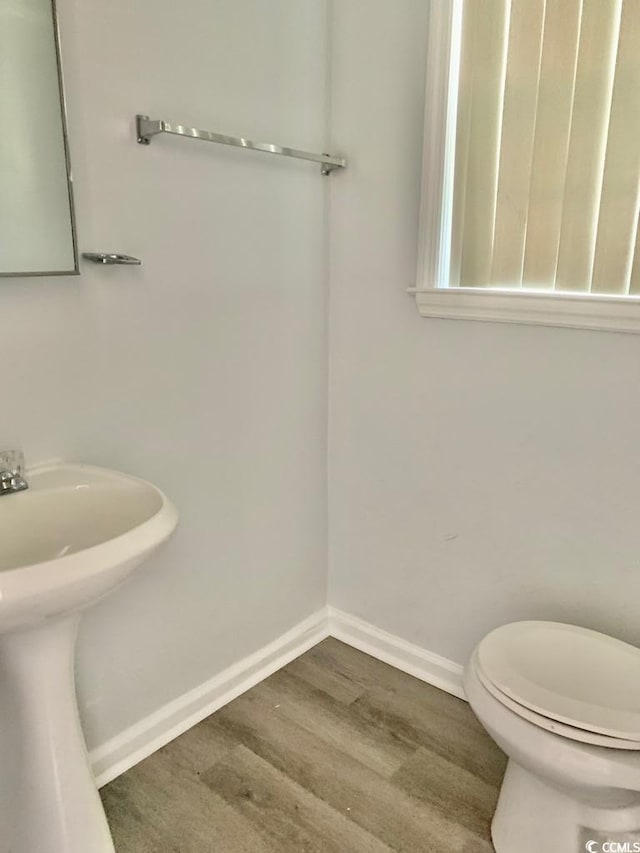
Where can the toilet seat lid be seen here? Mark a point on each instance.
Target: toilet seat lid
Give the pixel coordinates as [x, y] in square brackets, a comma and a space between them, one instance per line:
[551, 725]
[576, 676]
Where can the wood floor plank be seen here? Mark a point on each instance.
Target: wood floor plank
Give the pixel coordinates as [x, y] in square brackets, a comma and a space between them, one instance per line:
[180, 813]
[335, 684]
[196, 750]
[459, 741]
[435, 780]
[372, 674]
[291, 817]
[129, 821]
[417, 714]
[331, 774]
[364, 738]
[337, 753]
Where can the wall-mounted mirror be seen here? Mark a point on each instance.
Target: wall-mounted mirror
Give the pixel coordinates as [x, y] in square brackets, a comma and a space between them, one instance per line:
[37, 232]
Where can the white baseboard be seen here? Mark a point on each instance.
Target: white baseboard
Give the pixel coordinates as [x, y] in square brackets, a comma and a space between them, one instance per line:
[391, 649]
[145, 737]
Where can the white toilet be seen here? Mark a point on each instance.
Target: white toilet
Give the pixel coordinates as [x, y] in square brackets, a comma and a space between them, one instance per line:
[564, 705]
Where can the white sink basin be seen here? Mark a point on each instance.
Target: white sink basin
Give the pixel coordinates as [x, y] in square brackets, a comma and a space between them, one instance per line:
[74, 535]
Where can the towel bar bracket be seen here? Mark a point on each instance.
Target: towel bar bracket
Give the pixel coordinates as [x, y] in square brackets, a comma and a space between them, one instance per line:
[145, 129]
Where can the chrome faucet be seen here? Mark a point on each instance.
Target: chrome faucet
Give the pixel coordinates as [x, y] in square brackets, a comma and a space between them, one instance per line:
[11, 468]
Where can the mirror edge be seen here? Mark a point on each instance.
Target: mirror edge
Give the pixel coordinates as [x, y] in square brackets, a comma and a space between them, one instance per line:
[67, 160]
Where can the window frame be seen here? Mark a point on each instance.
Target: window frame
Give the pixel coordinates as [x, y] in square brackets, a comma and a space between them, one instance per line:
[434, 298]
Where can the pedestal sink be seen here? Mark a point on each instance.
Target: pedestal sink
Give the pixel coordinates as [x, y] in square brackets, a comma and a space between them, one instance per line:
[65, 542]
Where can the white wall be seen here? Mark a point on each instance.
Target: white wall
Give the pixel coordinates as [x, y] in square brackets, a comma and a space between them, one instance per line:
[204, 370]
[479, 473]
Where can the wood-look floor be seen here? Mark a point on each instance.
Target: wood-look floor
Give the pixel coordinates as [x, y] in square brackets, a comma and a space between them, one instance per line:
[335, 753]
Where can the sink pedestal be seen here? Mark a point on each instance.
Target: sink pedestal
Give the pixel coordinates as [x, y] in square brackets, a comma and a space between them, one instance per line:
[55, 803]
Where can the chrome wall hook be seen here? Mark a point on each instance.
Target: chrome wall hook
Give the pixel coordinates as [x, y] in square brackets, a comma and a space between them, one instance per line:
[113, 258]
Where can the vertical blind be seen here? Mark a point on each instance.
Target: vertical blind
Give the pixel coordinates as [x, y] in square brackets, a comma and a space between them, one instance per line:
[547, 176]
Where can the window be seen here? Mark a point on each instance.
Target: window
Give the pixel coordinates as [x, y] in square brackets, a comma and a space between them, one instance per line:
[531, 179]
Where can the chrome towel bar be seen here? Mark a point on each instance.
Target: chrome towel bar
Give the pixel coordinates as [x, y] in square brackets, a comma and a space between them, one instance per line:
[146, 128]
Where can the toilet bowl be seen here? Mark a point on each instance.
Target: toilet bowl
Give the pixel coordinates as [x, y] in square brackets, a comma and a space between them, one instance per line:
[563, 703]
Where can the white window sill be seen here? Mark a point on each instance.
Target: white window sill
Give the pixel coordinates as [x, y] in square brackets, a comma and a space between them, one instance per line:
[612, 313]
